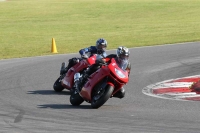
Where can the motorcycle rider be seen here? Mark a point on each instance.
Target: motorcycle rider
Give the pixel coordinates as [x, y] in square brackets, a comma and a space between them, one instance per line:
[122, 55]
[101, 45]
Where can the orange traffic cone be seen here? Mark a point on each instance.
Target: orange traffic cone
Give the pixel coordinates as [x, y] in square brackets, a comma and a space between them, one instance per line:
[53, 46]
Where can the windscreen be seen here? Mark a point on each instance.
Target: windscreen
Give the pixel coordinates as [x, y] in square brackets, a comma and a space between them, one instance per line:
[122, 63]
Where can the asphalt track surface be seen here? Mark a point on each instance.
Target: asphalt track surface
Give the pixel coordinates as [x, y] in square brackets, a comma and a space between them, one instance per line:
[28, 103]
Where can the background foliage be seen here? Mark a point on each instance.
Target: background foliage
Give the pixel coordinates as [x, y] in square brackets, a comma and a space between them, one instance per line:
[27, 26]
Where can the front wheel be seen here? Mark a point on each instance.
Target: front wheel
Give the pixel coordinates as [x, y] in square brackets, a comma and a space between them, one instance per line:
[57, 86]
[76, 99]
[101, 95]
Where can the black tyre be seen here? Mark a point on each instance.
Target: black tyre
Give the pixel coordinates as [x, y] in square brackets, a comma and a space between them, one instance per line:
[76, 99]
[57, 86]
[101, 95]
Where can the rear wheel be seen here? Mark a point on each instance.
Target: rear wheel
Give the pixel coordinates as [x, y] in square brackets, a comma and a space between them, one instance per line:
[76, 99]
[100, 95]
[57, 86]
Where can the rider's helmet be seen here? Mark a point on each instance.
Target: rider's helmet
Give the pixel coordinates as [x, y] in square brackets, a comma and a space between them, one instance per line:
[122, 54]
[101, 45]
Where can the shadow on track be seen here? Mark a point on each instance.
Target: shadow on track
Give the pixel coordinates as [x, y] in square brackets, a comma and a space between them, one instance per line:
[48, 92]
[64, 106]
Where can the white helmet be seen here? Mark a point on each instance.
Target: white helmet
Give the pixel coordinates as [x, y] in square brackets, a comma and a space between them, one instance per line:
[123, 52]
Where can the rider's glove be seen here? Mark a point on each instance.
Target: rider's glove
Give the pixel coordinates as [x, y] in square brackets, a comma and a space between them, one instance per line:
[84, 56]
[100, 62]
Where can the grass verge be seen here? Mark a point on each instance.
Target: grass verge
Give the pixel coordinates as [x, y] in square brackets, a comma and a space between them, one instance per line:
[27, 26]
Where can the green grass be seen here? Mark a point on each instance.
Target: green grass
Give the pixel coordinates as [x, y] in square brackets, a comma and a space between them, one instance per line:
[28, 26]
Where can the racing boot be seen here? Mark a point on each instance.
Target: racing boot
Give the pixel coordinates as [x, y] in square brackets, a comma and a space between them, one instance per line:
[82, 80]
[76, 82]
[63, 68]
